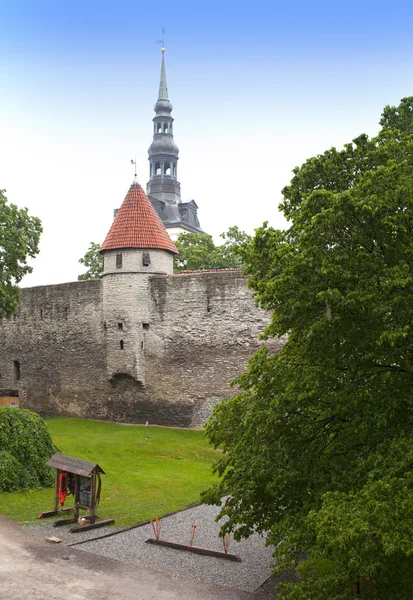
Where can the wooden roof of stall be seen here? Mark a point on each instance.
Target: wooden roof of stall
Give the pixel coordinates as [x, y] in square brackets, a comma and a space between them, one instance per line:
[74, 465]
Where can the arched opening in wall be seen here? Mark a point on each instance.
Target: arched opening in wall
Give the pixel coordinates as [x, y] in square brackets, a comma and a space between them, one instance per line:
[16, 370]
[125, 381]
[167, 168]
[158, 168]
[174, 169]
[159, 128]
[165, 127]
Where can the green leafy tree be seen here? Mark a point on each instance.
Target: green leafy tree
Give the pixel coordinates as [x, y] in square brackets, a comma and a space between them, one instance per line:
[93, 261]
[318, 443]
[197, 251]
[19, 240]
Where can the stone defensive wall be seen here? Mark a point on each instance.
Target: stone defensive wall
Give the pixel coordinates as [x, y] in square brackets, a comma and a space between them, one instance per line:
[66, 352]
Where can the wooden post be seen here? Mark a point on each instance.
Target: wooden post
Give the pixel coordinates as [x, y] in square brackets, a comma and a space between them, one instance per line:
[76, 503]
[92, 499]
[56, 491]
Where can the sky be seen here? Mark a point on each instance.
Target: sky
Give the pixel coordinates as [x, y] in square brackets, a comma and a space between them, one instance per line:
[257, 88]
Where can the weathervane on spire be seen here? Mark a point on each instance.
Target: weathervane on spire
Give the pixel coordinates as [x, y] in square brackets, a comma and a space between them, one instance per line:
[133, 162]
[162, 41]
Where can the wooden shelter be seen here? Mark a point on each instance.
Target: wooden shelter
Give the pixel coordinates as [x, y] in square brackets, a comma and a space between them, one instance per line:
[81, 478]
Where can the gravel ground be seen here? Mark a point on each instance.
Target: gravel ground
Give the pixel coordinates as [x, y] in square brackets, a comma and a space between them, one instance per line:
[130, 547]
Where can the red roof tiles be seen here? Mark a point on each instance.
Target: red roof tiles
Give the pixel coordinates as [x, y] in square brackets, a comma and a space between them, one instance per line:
[137, 225]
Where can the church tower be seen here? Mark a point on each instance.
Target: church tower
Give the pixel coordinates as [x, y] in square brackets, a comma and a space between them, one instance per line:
[163, 187]
[136, 247]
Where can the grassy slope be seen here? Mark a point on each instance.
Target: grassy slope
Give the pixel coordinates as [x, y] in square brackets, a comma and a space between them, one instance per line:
[149, 470]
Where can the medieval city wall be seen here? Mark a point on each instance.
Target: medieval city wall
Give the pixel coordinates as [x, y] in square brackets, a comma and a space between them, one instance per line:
[53, 348]
[193, 337]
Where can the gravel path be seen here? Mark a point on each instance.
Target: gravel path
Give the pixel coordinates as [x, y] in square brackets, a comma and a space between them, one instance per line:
[130, 547]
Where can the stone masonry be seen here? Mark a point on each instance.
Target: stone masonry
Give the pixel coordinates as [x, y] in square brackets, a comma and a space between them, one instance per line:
[185, 338]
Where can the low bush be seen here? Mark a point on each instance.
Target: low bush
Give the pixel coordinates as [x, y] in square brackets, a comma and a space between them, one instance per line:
[25, 447]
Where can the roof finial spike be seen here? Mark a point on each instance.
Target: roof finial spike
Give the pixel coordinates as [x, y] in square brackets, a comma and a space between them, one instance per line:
[133, 162]
[162, 40]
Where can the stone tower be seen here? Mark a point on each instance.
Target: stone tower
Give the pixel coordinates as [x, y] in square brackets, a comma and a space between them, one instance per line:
[136, 247]
[163, 187]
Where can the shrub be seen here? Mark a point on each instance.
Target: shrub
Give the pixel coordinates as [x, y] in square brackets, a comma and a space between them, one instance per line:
[25, 447]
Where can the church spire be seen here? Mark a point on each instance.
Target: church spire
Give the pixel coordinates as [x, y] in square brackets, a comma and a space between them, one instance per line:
[163, 152]
[163, 88]
[163, 188]
[163, 107]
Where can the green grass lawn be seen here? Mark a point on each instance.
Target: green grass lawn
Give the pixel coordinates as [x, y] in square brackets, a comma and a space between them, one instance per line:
[149, 470]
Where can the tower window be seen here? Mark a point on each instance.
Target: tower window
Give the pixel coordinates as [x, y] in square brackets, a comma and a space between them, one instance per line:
[119, 261]
[120, 326]
[16, 370]
[167, 168]
[159, 128]
[158, 168]
[121, 344]
[165, 128]
[146, 259]
[145, 325]
[174, 169]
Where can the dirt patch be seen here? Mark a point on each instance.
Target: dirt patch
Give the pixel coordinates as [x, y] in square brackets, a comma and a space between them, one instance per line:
[34, 569]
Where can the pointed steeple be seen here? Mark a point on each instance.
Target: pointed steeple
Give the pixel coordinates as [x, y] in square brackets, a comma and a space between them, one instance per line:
[163, 105]
[163, 152]
[163, 187]
[163, 88]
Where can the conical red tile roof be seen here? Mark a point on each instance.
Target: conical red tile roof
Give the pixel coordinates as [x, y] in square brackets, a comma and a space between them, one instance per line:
[137, 225]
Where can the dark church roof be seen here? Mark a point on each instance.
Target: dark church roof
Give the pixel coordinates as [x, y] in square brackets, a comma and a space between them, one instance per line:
[137, 225]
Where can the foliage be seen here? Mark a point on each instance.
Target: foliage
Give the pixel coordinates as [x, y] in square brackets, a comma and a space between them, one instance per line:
[25, 447]
[19, 239]
[318, 443]
[197, 251]
[149, 471]
[93, 261]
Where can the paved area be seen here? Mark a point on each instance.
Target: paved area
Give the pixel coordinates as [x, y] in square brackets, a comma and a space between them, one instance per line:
[31, 568]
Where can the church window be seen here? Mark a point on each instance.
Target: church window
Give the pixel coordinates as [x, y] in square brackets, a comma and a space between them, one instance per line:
[158, 168]
[167, 168]
[121, 344]
[16, 370]
[119, 261]
[146, 259]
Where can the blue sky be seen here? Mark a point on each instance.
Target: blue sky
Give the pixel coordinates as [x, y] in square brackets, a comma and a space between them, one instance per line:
[257, 88]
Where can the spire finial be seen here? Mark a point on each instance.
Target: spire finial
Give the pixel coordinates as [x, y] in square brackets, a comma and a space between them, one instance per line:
[162, 40]
[133, 162]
